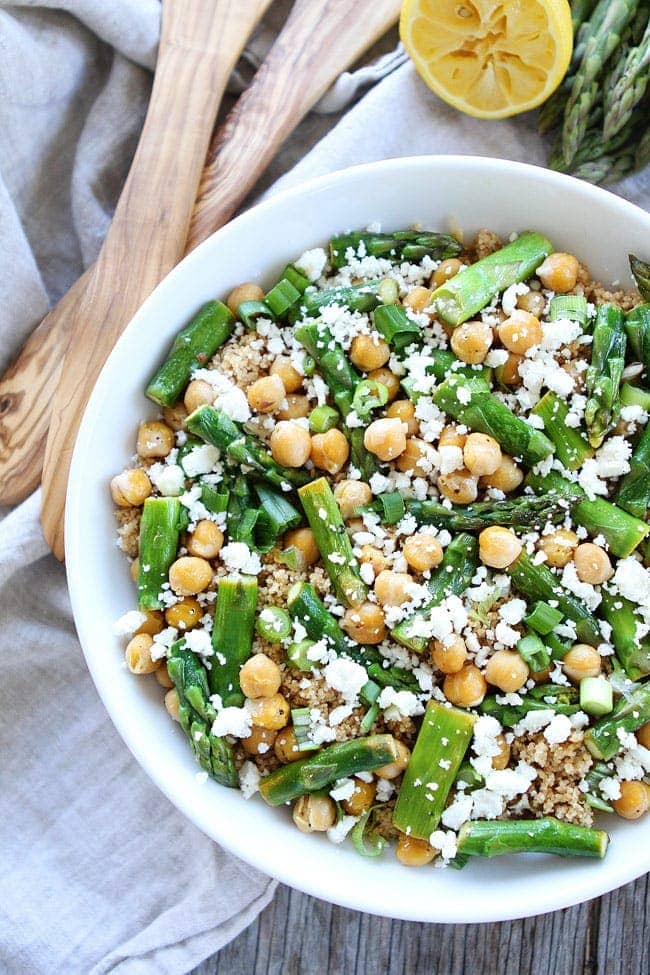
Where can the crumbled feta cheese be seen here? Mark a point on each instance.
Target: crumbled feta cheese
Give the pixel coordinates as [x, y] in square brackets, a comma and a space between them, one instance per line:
[168, 478]
[237, 557]
[343, 789]
[346, 677]
[129, 623]
[312, 263]
[232, 721]
[451, 459]
[506, 634]
[558, 729]
[249, 779]
[403, 704]
[336, 834]
[200, 460]
[513, 611]
[612, 459]
[583, 590]
[198, 641]
[445, 842]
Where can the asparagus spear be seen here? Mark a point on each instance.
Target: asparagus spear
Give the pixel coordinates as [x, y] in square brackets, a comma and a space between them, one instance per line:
[439, 750]
[522, 513]
[193, 347]
[622, 531]
[218, 429]
[603, 377]
[627, 83]
[631, 712]
[358, 297]
[473, 288]
[637, 329]
[491, 838]
[536, 581]
[641, 271]
[333, 541]
[632, 650]
[305, 605]
[544, 697]
[160, 528]
[403, 245]
[570, 447]
[470, 402]
[232, 636]
[452, 576]
[444, 363]
[196, 714]
[337, 761]
[281, 513]
[395, 326]
[634, 490]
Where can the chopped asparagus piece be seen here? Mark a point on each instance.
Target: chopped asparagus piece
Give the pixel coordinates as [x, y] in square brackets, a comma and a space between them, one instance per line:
[634, 490]
[533, 652]
[632, 650]
[298, 656]
[635, 396]
[543, 618]
[631, 712]
[322, 419]
[641, 271]
[573, 307]
[403, 245]
[596, 695]
[570, 447]
[358, 297]
[543, 697]
[160, 528]
[491, 838]
[603, 377]
[637, 329]
[273, 624]
[232, 636]
[395, 326]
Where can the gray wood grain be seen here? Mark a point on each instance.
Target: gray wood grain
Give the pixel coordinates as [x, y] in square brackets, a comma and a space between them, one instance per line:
[299, 935]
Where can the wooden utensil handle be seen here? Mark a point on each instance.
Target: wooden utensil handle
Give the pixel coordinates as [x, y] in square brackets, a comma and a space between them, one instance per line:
[295, 74]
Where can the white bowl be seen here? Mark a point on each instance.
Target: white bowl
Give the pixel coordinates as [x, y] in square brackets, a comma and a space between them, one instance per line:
[475, 193]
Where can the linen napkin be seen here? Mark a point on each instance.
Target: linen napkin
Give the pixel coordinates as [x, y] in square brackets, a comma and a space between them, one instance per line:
[101, 874]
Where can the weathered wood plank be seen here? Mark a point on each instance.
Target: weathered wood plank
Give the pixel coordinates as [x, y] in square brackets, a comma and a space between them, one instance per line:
[299, 935]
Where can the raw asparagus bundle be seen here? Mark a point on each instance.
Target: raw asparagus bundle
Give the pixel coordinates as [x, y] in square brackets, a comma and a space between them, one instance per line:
[491, 838]
[631, 712]
[442, 741]
[160, 528]
[632, 650]
[402, 245]
[603, 377]
[628, 80]
[232, 636]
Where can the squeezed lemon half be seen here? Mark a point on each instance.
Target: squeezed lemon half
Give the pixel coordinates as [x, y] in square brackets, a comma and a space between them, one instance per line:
[489, 58]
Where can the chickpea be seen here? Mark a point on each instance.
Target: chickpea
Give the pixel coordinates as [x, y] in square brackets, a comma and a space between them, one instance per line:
[244, 292]
[351, 495]
[385, 438]
[481, 454]
[270, 712]
[404, 410]
[533, 302]
[297, 407]
[364, 623]
[501, 759]
[329, 451]
[392, 588]
[467, 688]
[190, 575]
[412, 852]
[508, 374]
[266, 394]
[643, 735]
[498, 547]
[592, 563]
[450, 437]
[184, 615]
[314, 814]
[507, 477]
[175, 416]
[461, 487]
[446, 270]
[259, 742]
[449, 656]
[153, 624]
[361, 799]
[417, 458]
[634, 800]
[260, 676]
[304, 541]
[506, 670]
[396, 767]
[286, 746]
[541, 676]
[378, 561]
[369, 352]
[172, 703]
[559, 272]
[206, 540]
[422, 551]
[520, 332]
[162, 676]
[198, 393]
[138, 655]
[290, 444]
[559, 547]
[417, 299]
[291, 378]
[130, 488]
[581, 661]
[388, 379]
[471, 341]
[155, 439]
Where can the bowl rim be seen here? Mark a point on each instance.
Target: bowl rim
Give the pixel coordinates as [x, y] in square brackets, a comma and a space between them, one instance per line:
[591, 884]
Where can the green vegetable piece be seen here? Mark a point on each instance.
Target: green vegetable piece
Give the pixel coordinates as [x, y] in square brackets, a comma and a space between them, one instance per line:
[366, 841]
[215, 499]
[573, 307]
[282, 297]
[632, 650]
[637, 329]
[641, 271]
[358, 297]
[603, 376]
[294, 276]
[369, 395]
[570, 447]
[395, 326]
[630, 713]
[160, 528]
[407, 245]
[249, 311]
[543, 618]
[280, 513]
[273, 624]
[297, 656]
[491, 838]
[391, 507]
[533, 652]
[232, 636]
[301, 720]
[596, 695]
[322, 419]
[193, 347]
[633, 493]
[440, 747]
[458, 299]
[543, 697]
[635, 396]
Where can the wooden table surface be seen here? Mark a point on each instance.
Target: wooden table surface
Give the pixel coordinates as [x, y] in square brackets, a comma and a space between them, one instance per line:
[299, 935]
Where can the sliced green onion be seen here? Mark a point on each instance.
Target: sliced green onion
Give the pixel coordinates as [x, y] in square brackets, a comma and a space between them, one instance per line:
[369, 719]
[369, 692]
[250, 311]
[393, 507]
[294, 276]
[300, 719]
[282, 297]
[215, 499]
[297, 656]
[635, 396]
[292, 558]
[367, 841]
[543, 618]
[468, 774]
[281, 513]
[533, 652]
[596, 695]
[559, 648]
[388, 292]
[273, 624]
[308, 365]
[573, 307]
[369, 395]
[598, 804]
[392, 322]
[322, 419]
